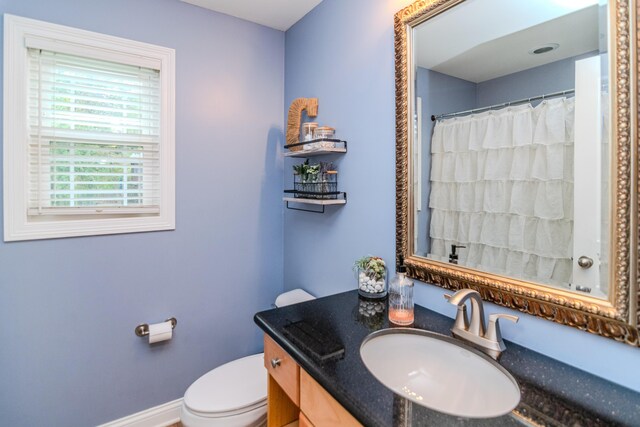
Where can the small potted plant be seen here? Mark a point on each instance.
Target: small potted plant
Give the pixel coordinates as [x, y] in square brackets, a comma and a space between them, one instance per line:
[307, 178]
[372, 277]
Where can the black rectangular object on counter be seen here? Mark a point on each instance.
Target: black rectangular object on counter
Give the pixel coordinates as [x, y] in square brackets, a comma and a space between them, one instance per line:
[315, 341]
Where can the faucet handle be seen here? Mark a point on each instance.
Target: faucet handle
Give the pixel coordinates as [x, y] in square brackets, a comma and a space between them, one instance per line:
[462, 321]
[493, 330]
[476, 325]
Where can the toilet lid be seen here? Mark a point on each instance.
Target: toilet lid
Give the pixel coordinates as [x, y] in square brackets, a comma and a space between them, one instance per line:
[239, 384]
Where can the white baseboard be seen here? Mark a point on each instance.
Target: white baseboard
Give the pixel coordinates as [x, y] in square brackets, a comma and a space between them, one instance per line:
[160, 416]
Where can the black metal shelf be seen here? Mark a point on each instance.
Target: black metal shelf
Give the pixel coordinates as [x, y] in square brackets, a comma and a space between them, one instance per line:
[341, 199]
[315, 198]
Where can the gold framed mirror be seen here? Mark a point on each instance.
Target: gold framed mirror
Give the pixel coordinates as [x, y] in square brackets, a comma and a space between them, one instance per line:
[556, 236]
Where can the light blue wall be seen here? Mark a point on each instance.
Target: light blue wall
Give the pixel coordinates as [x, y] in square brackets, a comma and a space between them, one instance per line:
[529, 83]
[350, 44]
[342, 52]
[68, 307]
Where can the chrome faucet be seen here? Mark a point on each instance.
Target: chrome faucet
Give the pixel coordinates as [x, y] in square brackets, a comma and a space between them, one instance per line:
[488, 340]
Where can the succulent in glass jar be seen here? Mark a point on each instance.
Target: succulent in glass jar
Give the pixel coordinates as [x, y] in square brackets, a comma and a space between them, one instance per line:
[372, 277]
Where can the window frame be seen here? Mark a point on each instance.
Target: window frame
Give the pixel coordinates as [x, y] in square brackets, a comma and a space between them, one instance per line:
[18, 225]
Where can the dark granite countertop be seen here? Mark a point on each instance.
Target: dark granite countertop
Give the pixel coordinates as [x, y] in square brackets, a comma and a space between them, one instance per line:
[553, 393]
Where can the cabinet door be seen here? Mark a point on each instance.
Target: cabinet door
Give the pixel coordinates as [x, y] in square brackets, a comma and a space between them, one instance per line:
[282, 369]
[320, 408]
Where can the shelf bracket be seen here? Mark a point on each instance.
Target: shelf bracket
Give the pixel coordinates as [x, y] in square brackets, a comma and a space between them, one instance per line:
[305, 210]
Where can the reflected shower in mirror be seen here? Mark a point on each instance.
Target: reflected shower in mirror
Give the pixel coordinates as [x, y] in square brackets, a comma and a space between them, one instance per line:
[511, 155]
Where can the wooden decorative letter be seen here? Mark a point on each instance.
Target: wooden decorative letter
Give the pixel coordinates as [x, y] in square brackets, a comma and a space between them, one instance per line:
[295, 115]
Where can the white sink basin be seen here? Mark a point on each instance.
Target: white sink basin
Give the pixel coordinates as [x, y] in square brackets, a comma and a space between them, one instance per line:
[438, 372]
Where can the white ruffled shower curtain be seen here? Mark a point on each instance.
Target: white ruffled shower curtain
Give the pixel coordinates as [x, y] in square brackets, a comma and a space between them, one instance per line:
[502, 185]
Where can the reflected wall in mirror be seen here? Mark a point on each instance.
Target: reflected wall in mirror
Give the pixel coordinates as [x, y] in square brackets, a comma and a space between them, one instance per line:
[514, 151]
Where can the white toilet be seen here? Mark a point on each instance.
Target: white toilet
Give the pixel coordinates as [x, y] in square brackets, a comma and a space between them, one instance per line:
[234, 394]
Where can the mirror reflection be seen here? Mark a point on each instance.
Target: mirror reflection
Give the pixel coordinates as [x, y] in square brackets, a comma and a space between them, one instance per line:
[511, 155]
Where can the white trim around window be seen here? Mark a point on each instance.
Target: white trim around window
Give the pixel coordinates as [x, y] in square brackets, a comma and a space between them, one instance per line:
[20, 223]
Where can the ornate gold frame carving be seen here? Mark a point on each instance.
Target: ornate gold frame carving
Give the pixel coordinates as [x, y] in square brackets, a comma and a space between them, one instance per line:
[619, 316]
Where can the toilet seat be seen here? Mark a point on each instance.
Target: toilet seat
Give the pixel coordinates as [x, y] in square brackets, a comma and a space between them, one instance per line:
[234, 388]
[228, 414]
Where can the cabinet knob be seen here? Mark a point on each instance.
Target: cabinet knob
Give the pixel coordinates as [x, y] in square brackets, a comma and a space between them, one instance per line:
[275, 363]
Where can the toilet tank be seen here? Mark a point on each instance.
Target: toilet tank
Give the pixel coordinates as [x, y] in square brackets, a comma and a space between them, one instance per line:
[293, 297]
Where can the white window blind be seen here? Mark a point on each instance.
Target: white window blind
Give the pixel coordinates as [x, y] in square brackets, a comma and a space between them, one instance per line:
[94, 136]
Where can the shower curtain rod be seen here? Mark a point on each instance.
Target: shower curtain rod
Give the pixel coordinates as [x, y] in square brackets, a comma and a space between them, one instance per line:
[506, 104]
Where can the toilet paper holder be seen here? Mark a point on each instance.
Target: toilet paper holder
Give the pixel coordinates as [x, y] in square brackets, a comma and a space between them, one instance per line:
[142, 330]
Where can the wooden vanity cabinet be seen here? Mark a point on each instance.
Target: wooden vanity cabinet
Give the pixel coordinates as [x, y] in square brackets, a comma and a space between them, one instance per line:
[293, 396]
[283, 369]
[304, 421]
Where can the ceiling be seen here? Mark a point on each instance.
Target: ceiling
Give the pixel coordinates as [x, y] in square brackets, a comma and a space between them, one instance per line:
[278, 14]
[504, 32]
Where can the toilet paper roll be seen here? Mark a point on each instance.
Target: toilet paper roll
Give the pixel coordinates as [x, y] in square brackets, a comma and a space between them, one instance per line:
[160, 332]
